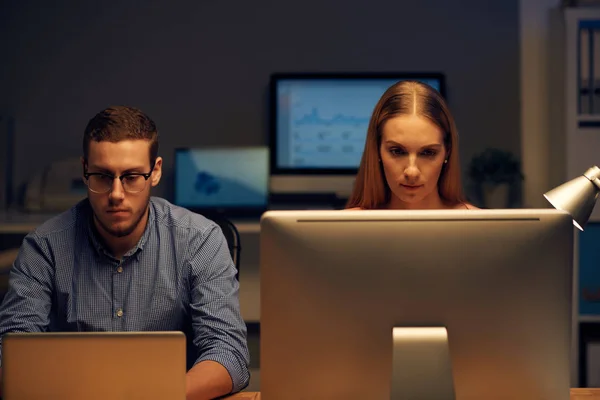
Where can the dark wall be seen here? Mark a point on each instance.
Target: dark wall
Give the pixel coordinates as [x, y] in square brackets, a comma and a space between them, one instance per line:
[201, 68]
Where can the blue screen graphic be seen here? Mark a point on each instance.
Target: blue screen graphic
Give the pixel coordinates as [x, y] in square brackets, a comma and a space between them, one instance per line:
[222, 178]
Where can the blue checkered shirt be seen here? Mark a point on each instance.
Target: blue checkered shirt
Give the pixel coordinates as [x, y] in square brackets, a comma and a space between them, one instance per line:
[179, 276]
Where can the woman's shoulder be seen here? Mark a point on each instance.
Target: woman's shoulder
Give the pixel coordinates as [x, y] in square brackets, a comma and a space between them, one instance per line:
[463, 205]
[459, 206]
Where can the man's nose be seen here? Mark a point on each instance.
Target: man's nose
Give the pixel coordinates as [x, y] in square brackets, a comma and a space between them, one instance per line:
[117, 192]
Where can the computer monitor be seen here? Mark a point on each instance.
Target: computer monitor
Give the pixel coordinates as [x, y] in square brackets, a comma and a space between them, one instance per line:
[319, 124]
[436, 304]
[225, 181]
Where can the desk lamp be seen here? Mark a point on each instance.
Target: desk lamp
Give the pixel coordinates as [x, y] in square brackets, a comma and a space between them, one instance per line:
[578, 196]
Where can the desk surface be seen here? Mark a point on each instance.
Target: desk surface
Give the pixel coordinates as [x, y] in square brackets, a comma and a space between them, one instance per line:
[576, 394]
[17, 222]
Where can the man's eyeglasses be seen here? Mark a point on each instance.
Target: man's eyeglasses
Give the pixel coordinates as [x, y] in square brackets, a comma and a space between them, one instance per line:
[99, 182]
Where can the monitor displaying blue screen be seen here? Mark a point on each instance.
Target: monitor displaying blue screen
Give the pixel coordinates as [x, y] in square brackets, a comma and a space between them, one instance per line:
[320, 123]
[222, 178]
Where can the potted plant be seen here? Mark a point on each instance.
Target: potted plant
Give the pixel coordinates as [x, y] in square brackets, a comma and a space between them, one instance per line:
[494, 171]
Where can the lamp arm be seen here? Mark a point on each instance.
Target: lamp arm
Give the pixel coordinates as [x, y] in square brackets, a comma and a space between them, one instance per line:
[593, 174]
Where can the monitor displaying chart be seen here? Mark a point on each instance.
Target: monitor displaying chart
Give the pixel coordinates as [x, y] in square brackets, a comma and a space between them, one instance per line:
[321, 122]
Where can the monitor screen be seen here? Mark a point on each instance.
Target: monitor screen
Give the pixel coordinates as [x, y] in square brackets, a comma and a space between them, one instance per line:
[222, 180]
[416, 304]
[319, 121]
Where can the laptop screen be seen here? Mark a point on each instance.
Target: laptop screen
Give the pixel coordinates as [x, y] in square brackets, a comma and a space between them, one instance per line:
[222, 180]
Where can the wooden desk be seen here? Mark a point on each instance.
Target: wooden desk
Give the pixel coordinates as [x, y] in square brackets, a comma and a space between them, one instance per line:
[244, 396]
[576, 394]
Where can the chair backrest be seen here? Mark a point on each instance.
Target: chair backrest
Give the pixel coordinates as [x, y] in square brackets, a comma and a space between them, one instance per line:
[233, 241]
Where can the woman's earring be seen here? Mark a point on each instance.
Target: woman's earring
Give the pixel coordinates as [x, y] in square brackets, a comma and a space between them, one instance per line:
[446, 161]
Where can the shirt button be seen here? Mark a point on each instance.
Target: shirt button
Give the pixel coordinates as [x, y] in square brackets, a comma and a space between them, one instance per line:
[120, 269]
[119, 312]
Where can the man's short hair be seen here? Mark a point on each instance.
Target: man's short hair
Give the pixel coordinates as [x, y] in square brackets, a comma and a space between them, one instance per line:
[117, 123]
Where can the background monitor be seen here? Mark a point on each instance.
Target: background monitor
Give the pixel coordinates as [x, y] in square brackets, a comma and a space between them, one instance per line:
[363, 301]
[227, 181]
[319, 124]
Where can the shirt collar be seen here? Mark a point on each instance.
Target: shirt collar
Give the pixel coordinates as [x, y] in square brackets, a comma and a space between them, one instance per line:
[94, 236]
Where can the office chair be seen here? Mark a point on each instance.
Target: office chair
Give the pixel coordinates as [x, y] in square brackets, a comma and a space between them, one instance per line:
[7, 258]
[233, 241]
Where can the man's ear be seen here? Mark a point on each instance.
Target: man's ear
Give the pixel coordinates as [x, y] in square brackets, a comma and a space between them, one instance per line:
[156, 172]
[83, 162]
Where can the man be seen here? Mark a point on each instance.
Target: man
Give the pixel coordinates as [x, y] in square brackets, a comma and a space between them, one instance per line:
[122, 260]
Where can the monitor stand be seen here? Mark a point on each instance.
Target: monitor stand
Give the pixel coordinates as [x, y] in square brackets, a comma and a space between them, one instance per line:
[421, 367]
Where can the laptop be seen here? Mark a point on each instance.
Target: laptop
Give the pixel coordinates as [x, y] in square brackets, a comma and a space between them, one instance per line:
[94, 365]
[224, 181]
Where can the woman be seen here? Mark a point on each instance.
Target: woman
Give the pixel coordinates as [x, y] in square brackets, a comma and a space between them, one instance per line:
[410, 160]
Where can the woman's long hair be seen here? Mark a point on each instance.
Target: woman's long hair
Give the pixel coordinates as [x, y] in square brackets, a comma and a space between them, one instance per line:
[406, 98]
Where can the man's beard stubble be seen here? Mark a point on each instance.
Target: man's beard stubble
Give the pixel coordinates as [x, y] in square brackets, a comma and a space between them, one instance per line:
[119, 233]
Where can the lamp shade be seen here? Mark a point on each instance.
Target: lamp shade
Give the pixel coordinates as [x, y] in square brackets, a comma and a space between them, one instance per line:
[577, 197]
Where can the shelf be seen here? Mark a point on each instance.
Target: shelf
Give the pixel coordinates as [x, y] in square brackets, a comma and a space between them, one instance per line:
[589, 117]
[589, 318]
[588, 121]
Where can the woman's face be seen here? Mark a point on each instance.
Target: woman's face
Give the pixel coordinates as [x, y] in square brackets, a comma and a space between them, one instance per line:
[412, 154]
